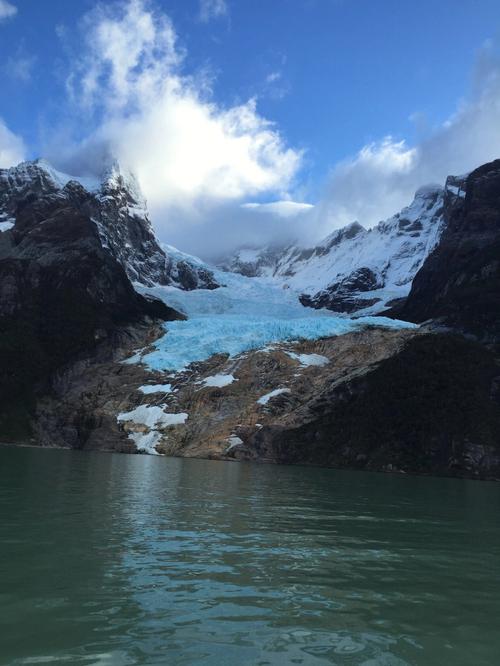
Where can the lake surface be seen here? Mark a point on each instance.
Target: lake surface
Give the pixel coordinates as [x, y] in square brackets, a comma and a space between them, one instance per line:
[112, 559]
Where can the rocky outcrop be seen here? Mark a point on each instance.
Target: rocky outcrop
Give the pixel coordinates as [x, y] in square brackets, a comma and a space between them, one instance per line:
[347, 295]
[62, 291]
[116, 207]
[222, 397]
[79, 411]
[431, 408]
[387, 400]
[459, 283]
[423, 401]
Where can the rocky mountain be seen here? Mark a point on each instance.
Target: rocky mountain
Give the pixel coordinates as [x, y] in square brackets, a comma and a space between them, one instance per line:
[118, 210]
[65, 276]
[459, 283]
[253, 375]
[355, 269]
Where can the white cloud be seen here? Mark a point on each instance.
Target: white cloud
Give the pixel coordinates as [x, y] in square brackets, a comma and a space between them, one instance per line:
[189, 154]
[12, 149]
[198, 162]
[7, 10]
[370, 186]
[20, 66]
[275, 86]
[212, 9]
[285, 209]
[272, 77]
[384, 175]
[222, 228]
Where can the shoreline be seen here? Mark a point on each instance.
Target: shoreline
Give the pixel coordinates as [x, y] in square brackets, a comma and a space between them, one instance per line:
[395, 472]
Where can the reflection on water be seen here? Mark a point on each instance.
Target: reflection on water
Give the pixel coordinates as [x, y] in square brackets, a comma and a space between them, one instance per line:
[111, 560]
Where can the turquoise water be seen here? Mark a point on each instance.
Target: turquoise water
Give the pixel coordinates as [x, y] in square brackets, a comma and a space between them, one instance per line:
[113, 559]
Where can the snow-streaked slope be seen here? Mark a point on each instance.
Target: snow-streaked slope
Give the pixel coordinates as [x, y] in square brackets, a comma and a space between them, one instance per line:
[355, 269]
[28, 173]
[394, 250]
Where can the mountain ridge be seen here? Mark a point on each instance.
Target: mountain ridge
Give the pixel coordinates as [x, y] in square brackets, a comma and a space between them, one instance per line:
[77, 302]
[355, 269]
[116, 206]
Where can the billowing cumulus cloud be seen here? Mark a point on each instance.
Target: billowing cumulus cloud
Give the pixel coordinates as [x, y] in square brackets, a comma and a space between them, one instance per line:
[199, 163]
[220, 230]
[383, 176]
[189, 154]
[12, 148]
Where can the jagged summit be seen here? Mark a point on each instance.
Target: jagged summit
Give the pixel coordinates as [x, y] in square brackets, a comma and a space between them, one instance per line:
[115, 204]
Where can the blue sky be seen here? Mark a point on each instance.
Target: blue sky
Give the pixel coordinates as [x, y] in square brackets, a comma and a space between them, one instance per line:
[333, 75]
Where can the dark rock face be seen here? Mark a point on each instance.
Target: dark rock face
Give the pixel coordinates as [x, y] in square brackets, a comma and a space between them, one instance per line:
[117, 209]
[344, 296]
[190, 277]
[120, 213]
[62, 291]
[459, 283]
[80, 410]
[432, 408]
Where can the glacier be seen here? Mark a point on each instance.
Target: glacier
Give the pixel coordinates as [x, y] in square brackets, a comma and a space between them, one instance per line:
[198, 338]
[243, 315]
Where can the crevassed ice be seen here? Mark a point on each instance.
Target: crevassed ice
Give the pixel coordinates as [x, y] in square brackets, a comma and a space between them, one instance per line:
[201, 337]
[243, 315]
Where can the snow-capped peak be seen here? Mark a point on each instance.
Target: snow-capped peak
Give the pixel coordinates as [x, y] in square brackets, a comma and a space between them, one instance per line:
[354, 268]
[116, 206]
[59, 178]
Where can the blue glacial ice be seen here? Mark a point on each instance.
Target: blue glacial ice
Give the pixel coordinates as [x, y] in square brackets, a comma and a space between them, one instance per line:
[245, 314]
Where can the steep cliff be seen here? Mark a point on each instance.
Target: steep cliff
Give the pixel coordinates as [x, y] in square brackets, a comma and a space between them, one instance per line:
[459, 283]
[62, 289]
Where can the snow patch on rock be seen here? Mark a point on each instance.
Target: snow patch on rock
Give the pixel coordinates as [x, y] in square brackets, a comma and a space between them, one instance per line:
[155, 388]
[234, 441]
[307, 360]
[268, 396]
[153, 418]
[219, 381]
[146, 442]
[6, 225]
